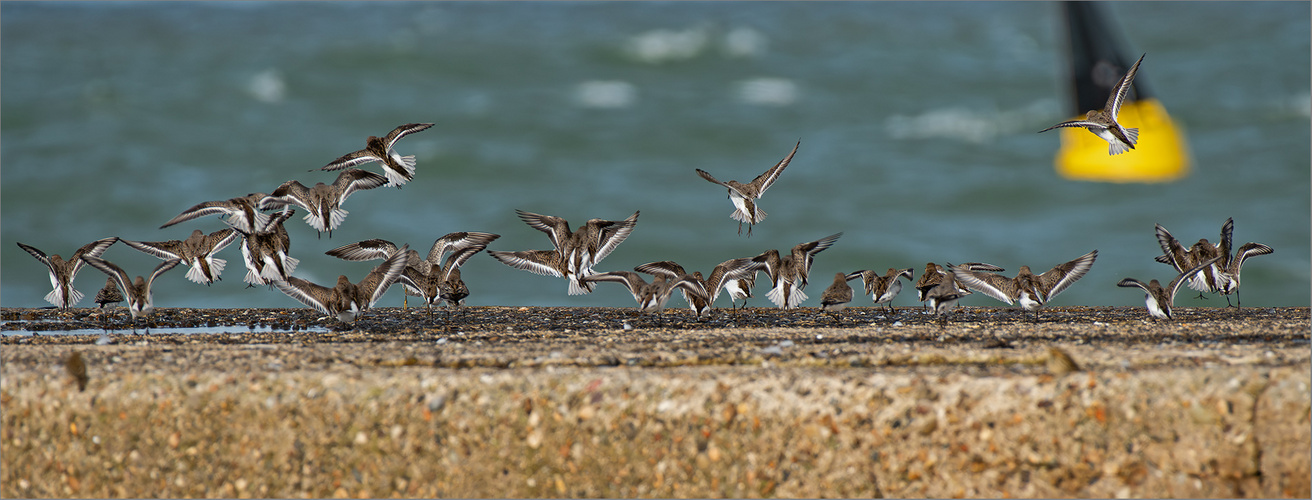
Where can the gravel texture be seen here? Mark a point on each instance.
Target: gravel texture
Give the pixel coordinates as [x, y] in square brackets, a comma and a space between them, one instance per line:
[549, 402]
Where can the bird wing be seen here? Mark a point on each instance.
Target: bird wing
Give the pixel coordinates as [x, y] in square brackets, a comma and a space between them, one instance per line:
[994, 285]
[1059, 278]
[305, 292]
[1175, 254]
[707, 175]
[773, 263]
[220, 239]
[354, 180]
[733, 269]
[380, 278]
[868, 278]
[1122, 89]
[1074, 123]
[692, 285]
[161, 269]
[94, 249]
[462, 246]
[364, 250]
[556, 228]
[665, 267]
[633, 281]
[1131, 282]
[1227, 241]
[41, 256]
[613, 235]
[171, 249]
[235, 208]
[541, 262]
[815, 247]
[112, 269]
[360, 157]
[288, 193]
[763, 181]
[276, 220]
[1246, 251]
[397, 133]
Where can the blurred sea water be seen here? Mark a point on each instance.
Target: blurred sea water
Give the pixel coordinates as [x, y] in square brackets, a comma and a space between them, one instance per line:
[917, 124]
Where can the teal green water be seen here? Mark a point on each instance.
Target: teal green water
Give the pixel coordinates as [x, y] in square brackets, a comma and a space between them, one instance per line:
[917, 123]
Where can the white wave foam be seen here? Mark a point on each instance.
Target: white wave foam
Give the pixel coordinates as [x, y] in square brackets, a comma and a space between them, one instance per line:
[267, 86]
[768, 91]
[606, 94]
[659, 46]
[971, 125]
[743, 42]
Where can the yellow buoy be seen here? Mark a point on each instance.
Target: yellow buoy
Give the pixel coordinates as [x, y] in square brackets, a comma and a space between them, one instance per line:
[1160, 156]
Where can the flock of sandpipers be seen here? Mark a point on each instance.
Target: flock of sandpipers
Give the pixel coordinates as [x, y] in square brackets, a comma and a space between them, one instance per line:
[436, 278]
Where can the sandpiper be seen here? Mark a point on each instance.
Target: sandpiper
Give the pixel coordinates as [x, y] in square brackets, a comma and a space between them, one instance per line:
[1032, 291]
[740, 288]
[425, 277]
[1160, 300]
[241, 213]
[1177, 256]
[141, 301]
[197, 251]
[323, 202]
[651, 297]
[265, 251]
[577, 250]
[882, 289]
[1223, 276]
[838, 295]
[744, 196]
[934, 274]
[62, 272]
[1102, 122]
[1231, 268]
[399, 169]
[347, 301]
[943, 296]
[453, 290]
[109, 294]
[669, 269]
[1227, 269]
[729, 275]
[788, 275]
